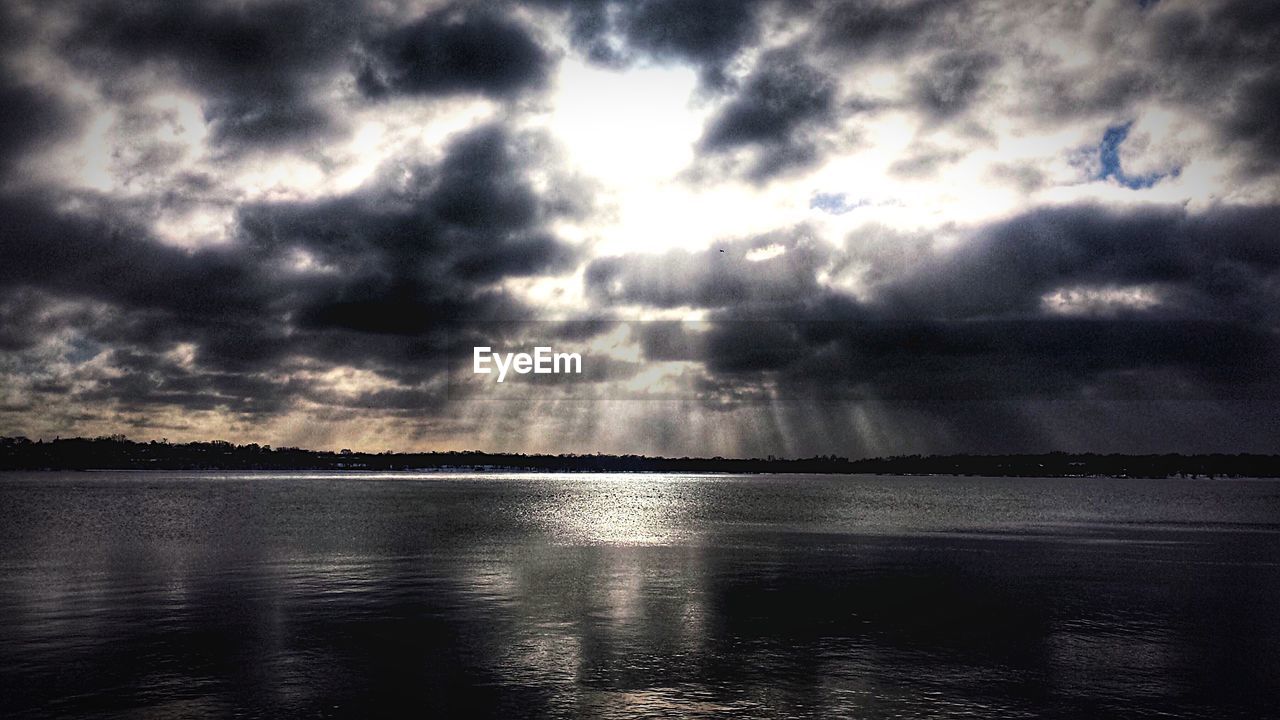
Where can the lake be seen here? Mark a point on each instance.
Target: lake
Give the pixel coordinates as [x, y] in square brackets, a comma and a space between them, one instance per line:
[156, 595]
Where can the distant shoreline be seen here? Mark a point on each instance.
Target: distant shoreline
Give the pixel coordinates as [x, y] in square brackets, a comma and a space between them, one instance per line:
[118, 453]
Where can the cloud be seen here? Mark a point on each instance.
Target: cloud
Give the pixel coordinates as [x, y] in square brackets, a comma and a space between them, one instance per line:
[390, 267]
[952, 82]
[865, 27]
[426, 249]
[775, 116]
[1214, 60]
[719, 277]
[260, 69]
[1219, 264]
[1076, 304]
[1251, 123]
[924, 161]
[455, 50]
[30, 118]
[706, 34]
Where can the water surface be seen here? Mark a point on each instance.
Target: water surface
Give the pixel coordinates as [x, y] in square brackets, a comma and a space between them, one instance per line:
[329, 595]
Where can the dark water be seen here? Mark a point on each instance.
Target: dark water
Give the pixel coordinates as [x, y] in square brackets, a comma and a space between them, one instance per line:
[203, 595]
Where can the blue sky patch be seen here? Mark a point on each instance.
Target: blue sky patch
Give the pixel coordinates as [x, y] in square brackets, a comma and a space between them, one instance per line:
[1109, 158]
[835, 203]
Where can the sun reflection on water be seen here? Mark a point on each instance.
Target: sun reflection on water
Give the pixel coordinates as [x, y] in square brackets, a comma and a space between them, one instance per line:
[621, 509]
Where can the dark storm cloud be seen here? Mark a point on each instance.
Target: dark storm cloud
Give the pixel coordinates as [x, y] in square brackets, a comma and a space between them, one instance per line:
[864, 27]
[30, 117]
[784, 114]
[28, 317]
[971, 324]
[1251, 122]
[775, 116]
[145, 297]
[1051, 358]
[150, 380]
[415, 255]
[1219, 264]
[402, 261]
[111, 260]
[705, 34]
[1211, 41]
[269, 73]
[260, 68]
[455, 50]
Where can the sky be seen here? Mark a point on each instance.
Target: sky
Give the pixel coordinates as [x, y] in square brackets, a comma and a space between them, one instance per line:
[851, 227]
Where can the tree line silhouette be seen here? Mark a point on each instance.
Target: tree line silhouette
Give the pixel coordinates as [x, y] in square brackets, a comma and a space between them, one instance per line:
[116, 452]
